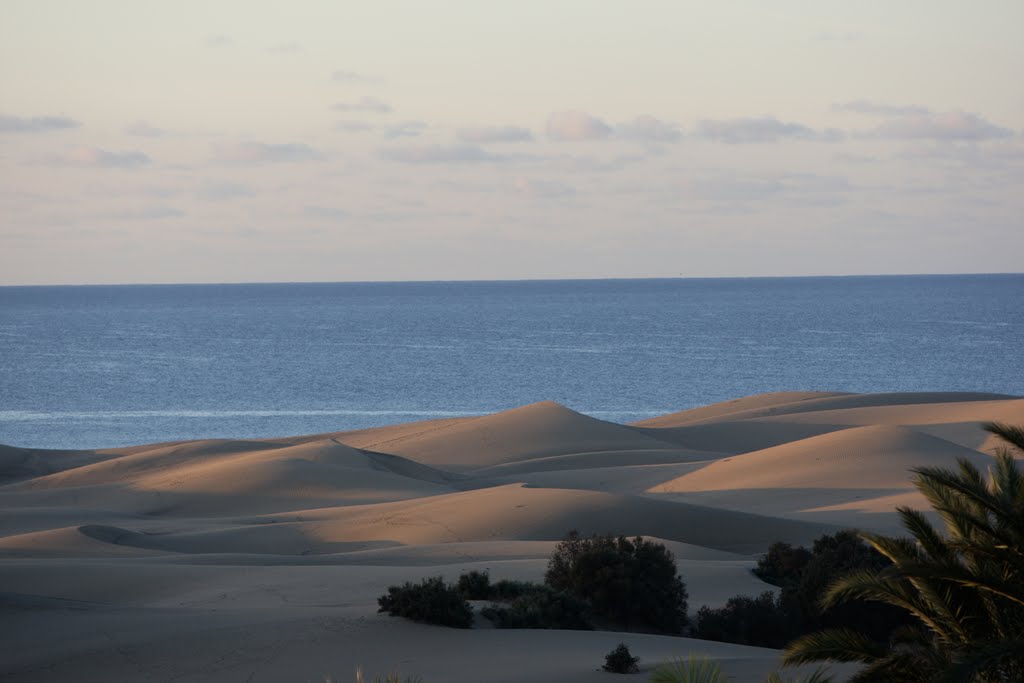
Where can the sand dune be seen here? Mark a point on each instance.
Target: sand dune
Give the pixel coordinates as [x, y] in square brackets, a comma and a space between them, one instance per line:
[17, 464]
[728, 409]
[876, 457]
[774, 405]
[743, 436]
[535, 431]
[263, 558]
[236, 477]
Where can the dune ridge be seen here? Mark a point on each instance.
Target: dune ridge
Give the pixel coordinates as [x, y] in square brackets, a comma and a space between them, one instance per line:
[286, 542]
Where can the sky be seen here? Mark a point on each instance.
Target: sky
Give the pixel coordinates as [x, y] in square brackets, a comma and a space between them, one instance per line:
[253, 141]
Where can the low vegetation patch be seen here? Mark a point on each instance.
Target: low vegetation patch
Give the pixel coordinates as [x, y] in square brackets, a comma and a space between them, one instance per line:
[431, 601]
[475, 585]
[745, 620]
[621, 661]
[691, 670]
[541, 607]
[803, 575]
[631, 582]
[626, 582]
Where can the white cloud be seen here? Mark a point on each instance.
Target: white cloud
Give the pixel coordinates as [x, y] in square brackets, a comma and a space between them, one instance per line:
[370, 105]
[879, 109]
[954, 125]
[325, 212]
[482, 134]
[342, 76]
[102, 158]
[406, 129]
[603, 165]
[758, 130]
[143, 129]
[219, 191]
[146, 214]
[438, 154]
[263, 153]
[649, 129]
[576, 125]
[795, 189]
[353, 126]
[546, 189]
[35, 124]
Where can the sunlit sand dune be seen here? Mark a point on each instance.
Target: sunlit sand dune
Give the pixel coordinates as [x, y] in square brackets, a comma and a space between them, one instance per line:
[535, 431]
[263, 559]
[858, 457]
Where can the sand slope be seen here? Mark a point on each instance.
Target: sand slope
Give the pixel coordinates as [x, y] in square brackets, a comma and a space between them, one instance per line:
[539, 430]
[263, 558]
[872, 457]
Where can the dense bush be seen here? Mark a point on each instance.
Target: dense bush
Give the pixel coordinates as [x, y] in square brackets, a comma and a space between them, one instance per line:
[474, 585]
[620, 661]
[783, 564]
[431, 601]
[964, 584]
[505, 590]
[746, 621]
[833, 556]
[541, 607]
[630, 582]
[804, 576]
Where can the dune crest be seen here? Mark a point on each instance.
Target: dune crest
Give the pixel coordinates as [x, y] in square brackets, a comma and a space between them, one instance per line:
[872, 457]
[260, 556]
[537, 430]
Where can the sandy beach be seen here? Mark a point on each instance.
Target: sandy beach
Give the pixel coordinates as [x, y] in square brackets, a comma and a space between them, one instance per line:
[262, 560]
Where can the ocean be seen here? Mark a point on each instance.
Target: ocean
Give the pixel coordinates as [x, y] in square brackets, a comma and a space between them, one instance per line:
[103, 366]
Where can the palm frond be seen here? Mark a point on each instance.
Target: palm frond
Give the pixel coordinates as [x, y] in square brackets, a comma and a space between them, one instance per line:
[924, 533]
[881, 587]
[1008, 589]
[838, 645]
[819, 675]
[968, 483]
[970, 662]
[1013, 435]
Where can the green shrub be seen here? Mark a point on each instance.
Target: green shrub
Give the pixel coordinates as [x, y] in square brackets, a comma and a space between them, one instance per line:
[744, 620]
[505, 590]
[627, 581]
[542, 607]
[834, 556]
[783, 564]
[431, 601]
[620, 661]
[475, 585]
[804, 576]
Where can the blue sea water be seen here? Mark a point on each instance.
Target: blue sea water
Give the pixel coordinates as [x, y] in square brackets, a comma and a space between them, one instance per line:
[86, 367]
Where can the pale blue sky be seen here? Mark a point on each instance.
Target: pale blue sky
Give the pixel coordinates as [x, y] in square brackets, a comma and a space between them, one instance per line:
[145, 141]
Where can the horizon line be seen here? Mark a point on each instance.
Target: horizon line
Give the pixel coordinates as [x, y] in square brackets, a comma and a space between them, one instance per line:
[504, 280]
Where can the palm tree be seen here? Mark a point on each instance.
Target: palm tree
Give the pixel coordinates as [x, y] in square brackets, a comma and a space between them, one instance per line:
[965, 588]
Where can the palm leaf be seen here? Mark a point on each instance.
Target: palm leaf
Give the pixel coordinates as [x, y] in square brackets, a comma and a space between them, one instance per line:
[819, 675]
[970, 662]
[1010, 434]
[839, 645]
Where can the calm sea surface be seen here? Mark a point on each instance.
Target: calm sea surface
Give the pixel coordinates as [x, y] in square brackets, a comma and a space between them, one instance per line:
[85, 367]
